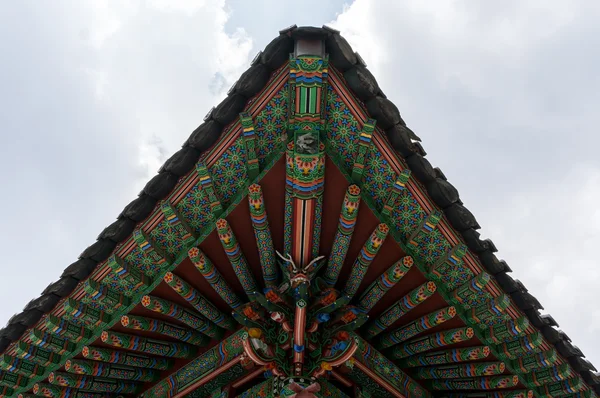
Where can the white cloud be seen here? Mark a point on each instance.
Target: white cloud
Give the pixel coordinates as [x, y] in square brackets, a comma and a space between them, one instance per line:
[501, 94]
[93, 104]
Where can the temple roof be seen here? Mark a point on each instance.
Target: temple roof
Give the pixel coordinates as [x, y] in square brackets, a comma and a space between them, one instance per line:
[349, 68]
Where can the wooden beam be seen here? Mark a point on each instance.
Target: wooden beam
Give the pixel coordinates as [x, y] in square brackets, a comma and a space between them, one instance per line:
[12, 380]
[166, 329]
[236, 257]
[131, 277]
[488, 313]
[417, 326]
[472, 292]
[176, 312]
[527, 363]
[250, 140]
[262, 233]
[341, 242]
[515, 348]
[91, 317]
[446, 356]
[395, 191]
[214, 278]
[364, 147]
[431, 341]
[151, 250]
[429, 224]
[365, 257]
[49, 390]
[549, 375]
[37, 355]
[379, 380]
[113, 371]
[66, 329]
[103, 298]
[204, 306]
[506, 331]
[87, 383]
[207, 187]
[147, 346]
[20, 366]
[376, 290]
[455, 371]
[401, 307]
[385, 372]
[51, 342]
[125, 358]
[477, 383]
[221, 369]
[172, 216]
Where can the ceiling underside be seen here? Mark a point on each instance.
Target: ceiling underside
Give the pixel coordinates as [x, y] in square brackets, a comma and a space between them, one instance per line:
[150, 317]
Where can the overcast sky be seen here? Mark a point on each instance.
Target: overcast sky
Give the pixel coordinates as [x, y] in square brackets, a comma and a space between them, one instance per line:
[94, 96]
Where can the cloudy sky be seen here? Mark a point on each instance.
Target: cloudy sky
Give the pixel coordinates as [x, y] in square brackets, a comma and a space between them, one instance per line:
[94, 96]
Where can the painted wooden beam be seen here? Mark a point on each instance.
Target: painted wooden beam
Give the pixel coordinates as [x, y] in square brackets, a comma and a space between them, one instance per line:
[147, 346]
[6, 391]
[180, 314]
[478, 383]
[431, 341]
[66, 329]
[250, 140]
[12, 380]
[172, 216]
[208, 189]
[506, 331]
[429, 224]
[401, 307]
[50, 342]
[91, 317]
[52, 391]
[166, 329]
[20, 366]
[490, 312]
[341, 242]
[37, 355]
[454, 355]
[103, 298]
[364, 147]
[549, 375]
[262, 233]
[236, 256]
[447, 263]
[515, 348]
[204, 306]
[535, 361]
[113, 371]
[214, 278]
[417, 326]
[201, 369]
[470, 293]
[92, 384]
[365, 257]
[151, 250]
[494, 394]
[376, 290]
[385, 372]
[395, 191]
[455, 371]
[130, 277]
[125, 358]
[570, 386]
